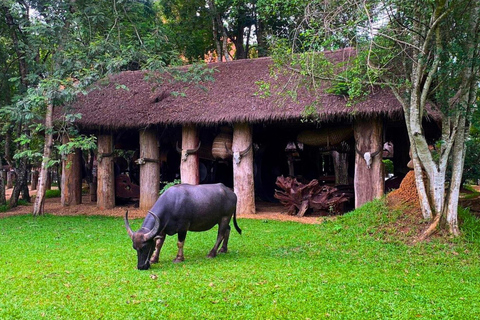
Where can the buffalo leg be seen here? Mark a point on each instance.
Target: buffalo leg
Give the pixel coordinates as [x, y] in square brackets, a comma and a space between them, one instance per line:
[224, 247]
[158, 247]
[181, 241]
[222, 230]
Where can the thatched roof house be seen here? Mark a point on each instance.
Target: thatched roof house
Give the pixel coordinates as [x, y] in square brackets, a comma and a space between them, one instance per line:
[133, 99]
[267, 109]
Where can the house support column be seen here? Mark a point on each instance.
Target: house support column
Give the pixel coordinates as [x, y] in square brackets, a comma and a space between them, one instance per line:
[369, 179]
[189, 162]
[149, 169]
[71, 181]
[243, 182]
[105, 173]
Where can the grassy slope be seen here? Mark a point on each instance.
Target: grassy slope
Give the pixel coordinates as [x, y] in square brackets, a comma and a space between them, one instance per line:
[84, 268]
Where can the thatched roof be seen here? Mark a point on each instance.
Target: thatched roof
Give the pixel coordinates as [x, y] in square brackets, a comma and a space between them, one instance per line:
[128, 100]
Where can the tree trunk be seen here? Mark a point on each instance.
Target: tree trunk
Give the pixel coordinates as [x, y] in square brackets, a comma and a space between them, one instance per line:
[34, 180]
[3, 199]
[10, 175]
[243, 178]
[239, 48]
[38, 208]
[106, 174]
[368, 181]
[150, 170]
[189, 163]
[215, 29]
[71, 182]
[261, 43]
[20, 182]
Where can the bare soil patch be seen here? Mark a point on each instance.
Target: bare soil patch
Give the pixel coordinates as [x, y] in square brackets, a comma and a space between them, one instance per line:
[265, 211]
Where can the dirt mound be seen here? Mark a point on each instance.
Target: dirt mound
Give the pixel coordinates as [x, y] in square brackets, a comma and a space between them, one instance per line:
[406, 195]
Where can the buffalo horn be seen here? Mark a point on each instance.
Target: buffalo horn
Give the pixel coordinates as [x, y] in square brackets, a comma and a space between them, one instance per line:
[190, 151]
[244, 152]
[152, 233]
[127, 225]
[229, 151]
[178, 149]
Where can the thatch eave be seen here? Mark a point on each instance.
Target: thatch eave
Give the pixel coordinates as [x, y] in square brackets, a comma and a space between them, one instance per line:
[129, 101]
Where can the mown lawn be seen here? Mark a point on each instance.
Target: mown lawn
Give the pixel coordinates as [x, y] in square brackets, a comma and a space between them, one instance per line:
[352, 268]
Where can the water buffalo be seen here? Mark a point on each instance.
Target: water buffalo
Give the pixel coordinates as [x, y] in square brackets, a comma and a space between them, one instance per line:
[180, 209]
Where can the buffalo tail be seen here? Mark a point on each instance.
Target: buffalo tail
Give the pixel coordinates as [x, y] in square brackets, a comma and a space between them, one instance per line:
[235, 222]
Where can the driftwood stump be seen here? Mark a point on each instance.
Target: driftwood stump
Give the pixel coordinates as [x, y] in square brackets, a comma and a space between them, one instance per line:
[298, 197]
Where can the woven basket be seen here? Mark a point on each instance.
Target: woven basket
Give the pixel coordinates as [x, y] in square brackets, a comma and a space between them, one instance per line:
[325, 137]
[218, 146]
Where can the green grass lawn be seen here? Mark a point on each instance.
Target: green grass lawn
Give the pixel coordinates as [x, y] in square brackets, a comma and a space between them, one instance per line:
[351, 268]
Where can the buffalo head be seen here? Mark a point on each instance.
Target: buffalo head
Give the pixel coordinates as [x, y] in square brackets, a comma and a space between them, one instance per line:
[143, 242]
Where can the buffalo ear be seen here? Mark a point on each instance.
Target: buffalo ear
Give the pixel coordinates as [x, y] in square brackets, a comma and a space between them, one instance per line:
[152, 233]
[127, 225]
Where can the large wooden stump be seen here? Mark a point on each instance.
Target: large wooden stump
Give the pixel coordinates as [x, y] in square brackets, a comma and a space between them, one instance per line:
[369, 180]
[105, 173]
[149, 169]
[189, 162]
[243, 182]
[71, 183]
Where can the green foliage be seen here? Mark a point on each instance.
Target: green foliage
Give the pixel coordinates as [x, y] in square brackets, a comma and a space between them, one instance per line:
[389, 168]
[168, 185]
[341, 269]
[53, 193]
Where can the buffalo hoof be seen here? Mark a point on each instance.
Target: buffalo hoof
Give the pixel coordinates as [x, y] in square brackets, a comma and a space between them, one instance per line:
[212, 254]
[152, 261]
[178, 259]
[222, 250]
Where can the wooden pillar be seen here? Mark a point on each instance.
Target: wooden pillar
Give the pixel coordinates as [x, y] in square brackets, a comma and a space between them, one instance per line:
[189, 163]
[71, 181]
[105, 172]
[368, 181]
[150, 169]
[243, 179]
[340, 164]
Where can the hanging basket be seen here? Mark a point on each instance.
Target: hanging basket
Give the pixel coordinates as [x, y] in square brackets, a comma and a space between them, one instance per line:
[224, 138]
[325, 136]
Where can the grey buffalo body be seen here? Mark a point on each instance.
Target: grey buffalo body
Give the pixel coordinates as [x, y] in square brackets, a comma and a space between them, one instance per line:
[180, 209]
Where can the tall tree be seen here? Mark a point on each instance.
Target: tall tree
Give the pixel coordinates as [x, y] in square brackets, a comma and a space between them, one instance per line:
[60, 48]
[427, 52]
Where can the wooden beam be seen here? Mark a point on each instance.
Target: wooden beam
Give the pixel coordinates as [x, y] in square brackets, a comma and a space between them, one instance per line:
[189, 164]
[243, 179]
[368, 182]
[71, 182]
[150, 169]
[105, 173]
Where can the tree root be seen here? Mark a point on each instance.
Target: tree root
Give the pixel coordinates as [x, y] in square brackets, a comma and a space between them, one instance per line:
[432, 228]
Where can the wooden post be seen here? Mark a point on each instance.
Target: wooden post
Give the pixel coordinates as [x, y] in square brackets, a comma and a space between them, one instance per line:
[368, 182]
[71, 182]
[106, 175]
[149, 170]
[340, 163]
[189, 164]
[243, 182]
